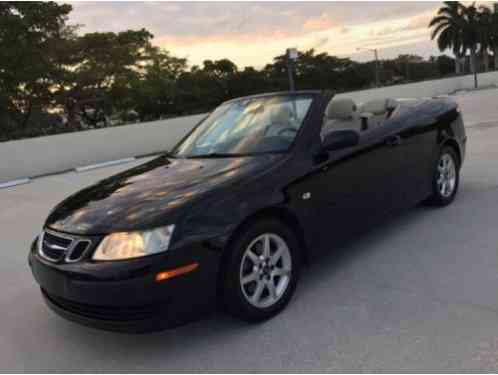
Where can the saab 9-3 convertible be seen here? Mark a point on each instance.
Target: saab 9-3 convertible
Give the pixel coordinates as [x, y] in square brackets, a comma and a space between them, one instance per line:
[229, 217]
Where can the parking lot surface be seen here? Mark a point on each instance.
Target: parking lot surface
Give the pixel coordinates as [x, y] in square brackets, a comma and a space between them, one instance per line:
[417, 292]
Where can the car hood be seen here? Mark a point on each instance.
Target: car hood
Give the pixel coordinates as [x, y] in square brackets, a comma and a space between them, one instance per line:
[151, 194]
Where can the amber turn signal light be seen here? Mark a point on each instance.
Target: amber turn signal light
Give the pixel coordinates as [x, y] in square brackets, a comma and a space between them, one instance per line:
[165, 275]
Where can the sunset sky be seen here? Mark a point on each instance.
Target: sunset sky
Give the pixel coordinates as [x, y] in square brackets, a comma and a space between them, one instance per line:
[253, 33]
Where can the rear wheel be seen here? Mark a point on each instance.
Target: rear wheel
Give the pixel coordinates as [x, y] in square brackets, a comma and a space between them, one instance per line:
[262, 271]
[446, 177]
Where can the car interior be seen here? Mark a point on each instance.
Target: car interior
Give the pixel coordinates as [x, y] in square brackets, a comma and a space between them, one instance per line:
[283, 121]
[345, 114]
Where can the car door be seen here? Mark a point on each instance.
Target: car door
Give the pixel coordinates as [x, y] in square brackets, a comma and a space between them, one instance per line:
[349, 189]
[418, 132]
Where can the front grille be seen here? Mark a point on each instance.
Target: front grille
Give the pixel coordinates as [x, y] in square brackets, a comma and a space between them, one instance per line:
[78, 250]
[53, 239]
[112, 313]
[57, 247]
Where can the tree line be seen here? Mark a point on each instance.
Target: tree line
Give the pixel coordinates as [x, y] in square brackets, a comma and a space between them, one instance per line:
[54, 79]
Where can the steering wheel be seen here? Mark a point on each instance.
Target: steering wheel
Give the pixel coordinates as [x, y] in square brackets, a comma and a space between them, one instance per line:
[288, 129]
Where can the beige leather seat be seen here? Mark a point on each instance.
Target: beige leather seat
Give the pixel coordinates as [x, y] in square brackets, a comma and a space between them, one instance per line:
[281, 117]
[377, 110]
[341, 114]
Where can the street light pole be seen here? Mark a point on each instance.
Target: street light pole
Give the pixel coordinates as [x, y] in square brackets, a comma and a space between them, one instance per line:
[291, 76]
[291, 54]
[377, 66]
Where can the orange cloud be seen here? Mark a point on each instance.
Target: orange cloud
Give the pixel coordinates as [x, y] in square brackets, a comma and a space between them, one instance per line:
[420, 21]
[191, 40]
[318, 23]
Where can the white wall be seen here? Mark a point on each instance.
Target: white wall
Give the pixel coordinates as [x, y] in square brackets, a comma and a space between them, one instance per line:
[38, 156]
[56, 153]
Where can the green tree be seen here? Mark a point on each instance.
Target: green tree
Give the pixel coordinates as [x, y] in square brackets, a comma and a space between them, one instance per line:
[104, 66]
[221, 69]
[445, 64]
[32, 60]
[458, 27]
[471, 35]
[248, 82]
[485, 37]
[220, 73]
[494, 34]
[489, 33]
[154, 93]
[448, 28]
[199, 91]
[314, 71]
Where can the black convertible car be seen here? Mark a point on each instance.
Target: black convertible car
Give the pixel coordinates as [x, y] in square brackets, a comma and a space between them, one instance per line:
[255, 191]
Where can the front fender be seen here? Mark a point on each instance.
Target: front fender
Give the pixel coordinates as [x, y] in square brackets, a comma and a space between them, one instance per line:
[215, 222]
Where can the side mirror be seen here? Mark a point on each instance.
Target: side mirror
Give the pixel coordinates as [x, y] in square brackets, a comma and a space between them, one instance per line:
[339, 139]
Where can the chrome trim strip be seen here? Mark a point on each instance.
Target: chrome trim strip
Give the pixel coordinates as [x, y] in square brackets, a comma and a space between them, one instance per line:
[71, 248]
[59, 234]
[41, 240]
[56, 247]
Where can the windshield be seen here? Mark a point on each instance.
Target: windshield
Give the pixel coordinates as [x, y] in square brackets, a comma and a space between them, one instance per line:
[247, 127]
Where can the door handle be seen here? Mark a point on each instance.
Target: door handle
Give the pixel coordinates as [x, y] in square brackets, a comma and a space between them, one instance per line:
[393, 140]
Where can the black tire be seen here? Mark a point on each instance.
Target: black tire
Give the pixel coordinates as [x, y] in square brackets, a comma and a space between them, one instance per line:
[438, 199]
[235, 301]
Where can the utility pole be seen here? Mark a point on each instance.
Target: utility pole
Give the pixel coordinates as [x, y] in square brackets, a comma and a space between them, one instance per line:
[291, 54]
[377, 65]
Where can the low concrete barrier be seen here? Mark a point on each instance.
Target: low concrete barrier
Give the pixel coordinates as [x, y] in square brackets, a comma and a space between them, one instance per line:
[44, 155]
[38, 156]
[423, 89]
[410, 90]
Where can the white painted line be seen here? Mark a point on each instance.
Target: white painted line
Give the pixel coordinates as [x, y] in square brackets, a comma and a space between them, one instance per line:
[104, 164]
[11, 183]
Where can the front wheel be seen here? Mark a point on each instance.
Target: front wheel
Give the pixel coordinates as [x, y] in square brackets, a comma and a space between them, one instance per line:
[262, 271]
[446, 178]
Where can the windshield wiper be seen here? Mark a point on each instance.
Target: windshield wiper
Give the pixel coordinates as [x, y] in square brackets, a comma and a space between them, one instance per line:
[168, 155]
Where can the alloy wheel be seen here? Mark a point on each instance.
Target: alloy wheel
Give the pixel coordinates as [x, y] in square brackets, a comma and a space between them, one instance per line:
[265, 270]
[446, 177]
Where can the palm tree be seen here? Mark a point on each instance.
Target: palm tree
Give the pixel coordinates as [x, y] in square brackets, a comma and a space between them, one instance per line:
[489, 32]
[494, 33]
[448, 26]
[457, 27]
[485, 35]
[471, 35]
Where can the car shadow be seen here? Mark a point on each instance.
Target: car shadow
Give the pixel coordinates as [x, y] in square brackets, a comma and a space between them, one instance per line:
[347, 252]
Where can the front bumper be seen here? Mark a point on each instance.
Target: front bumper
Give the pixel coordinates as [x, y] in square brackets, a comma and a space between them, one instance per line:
[124, 295]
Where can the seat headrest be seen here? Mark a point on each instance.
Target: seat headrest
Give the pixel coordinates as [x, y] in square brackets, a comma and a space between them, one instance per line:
[281, 115]
[340, 109]
[378, 106]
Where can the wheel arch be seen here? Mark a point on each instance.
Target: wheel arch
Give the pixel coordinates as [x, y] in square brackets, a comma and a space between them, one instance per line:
[450, 142]
[279, 213]
[275, 212]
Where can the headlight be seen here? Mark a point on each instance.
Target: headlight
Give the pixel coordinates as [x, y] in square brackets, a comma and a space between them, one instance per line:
[126, 245]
